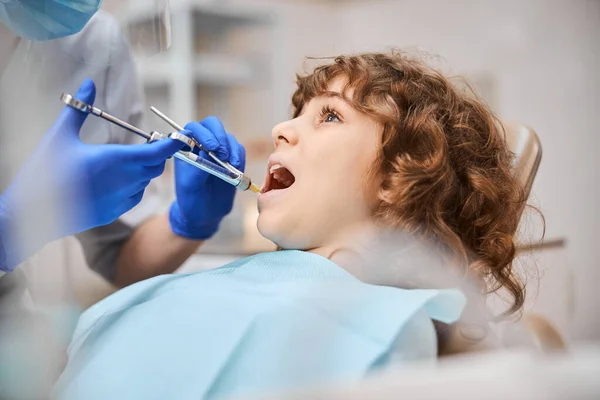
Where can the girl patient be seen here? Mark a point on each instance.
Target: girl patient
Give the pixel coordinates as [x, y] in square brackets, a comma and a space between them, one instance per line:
[378, 143]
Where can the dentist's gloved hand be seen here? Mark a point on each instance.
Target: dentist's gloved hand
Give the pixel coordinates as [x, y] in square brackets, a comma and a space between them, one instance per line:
[204, 200]
[67, 186]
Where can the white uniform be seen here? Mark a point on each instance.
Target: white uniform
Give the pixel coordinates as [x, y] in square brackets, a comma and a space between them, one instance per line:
[30, 87]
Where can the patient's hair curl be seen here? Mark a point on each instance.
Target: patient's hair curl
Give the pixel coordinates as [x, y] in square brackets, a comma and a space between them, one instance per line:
[444, 164]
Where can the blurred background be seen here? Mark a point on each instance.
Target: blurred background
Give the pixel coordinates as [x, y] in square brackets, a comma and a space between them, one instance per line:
[534, 61]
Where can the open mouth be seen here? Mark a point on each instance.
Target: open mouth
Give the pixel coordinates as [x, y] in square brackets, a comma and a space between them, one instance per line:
[278, 178]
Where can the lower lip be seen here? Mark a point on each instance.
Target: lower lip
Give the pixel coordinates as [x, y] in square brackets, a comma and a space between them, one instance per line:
[272, 194]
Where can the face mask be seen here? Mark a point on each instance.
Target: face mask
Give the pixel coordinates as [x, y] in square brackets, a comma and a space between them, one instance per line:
[47, 19]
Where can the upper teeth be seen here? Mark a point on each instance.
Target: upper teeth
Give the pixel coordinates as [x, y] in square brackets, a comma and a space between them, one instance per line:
[274, 168]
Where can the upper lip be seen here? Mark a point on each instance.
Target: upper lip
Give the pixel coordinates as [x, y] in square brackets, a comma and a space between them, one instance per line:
[277, 160]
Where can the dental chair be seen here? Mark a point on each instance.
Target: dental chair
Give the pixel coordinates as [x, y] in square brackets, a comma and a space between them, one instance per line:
[526, 146]
[532, 330]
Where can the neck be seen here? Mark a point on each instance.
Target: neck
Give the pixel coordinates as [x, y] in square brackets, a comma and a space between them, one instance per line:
[348, 249]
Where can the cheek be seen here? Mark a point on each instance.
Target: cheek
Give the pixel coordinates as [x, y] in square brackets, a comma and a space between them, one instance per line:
[371, 185]
[355, 169]
[341, 160]
[340, 183]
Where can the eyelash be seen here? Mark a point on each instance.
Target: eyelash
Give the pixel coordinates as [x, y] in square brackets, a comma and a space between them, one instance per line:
[327, 111]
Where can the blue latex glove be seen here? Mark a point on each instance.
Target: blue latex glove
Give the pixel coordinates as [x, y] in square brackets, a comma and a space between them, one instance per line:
[67, 186]
[204, 200]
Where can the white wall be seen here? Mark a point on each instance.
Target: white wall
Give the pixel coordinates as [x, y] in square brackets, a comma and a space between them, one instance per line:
[544, 56]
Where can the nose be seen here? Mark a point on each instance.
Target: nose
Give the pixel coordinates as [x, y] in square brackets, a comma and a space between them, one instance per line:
[285, 132]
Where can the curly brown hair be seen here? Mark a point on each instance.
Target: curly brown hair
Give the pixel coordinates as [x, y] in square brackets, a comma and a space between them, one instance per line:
[444, 163]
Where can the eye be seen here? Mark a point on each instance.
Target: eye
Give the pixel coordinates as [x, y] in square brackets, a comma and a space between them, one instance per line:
[328, 114]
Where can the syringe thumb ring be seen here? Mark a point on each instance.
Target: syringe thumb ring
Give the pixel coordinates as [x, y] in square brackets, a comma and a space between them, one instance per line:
[189, 142]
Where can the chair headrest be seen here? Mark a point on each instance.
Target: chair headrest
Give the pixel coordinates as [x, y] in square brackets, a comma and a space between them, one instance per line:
[526, 146]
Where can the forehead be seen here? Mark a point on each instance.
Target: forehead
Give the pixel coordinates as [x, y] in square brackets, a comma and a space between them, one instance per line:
[338, 88]
[337, 85]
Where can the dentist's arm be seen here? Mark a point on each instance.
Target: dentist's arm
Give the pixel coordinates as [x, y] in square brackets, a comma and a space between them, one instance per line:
[163, 243]
[67, 186]
[153, 249]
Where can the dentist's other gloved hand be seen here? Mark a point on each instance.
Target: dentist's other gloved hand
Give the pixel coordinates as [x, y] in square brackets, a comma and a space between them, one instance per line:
[67, 186]
[204, 200]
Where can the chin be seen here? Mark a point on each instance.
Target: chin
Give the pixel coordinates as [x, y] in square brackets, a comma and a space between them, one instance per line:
[277, 229]
[270, 227]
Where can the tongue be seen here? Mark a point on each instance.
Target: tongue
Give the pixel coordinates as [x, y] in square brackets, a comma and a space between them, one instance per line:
[284, 176]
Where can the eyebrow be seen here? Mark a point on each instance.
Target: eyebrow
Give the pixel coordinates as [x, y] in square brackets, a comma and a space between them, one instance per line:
[330, 94]
[337, 95]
